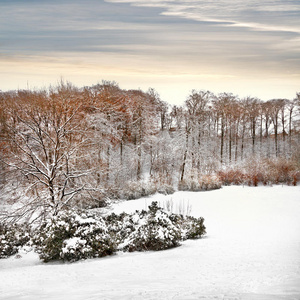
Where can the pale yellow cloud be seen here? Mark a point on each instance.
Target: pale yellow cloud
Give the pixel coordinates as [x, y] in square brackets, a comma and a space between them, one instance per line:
[244, 47]
[173, 84]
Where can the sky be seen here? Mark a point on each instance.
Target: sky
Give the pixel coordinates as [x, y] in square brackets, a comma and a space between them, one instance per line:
[248, 48]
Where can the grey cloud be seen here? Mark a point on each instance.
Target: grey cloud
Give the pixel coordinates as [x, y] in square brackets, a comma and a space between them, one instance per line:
[251, 14]
[264, 33]
[70, 25]
[191, 36]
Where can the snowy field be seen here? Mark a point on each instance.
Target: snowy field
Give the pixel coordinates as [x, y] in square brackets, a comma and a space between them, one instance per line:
[251, 251]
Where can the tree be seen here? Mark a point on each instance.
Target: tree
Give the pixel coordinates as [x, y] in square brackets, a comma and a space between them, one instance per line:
[107, 116]
[45, 145]
[222, 107]
[266, 108]
[144, 123]
[277, 106]
[197, 105]
[253, 105]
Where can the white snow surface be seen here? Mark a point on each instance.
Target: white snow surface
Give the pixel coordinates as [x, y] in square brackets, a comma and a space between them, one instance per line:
[251, 251]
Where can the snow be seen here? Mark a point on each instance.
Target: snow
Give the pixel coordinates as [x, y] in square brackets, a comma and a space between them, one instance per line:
[81, 220]
[71, 244]
[251, 252]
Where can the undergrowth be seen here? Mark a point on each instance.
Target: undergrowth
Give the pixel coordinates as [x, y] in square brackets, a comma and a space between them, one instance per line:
[266, 172]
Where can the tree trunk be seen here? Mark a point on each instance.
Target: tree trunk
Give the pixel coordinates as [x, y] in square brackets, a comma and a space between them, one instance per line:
[222, 139]
[242, 145]
[236, 141]
[290, 131]
[139, 163]
[108, 165]
[276, 135]
[253, 136]
[185, 155]
[230, 142]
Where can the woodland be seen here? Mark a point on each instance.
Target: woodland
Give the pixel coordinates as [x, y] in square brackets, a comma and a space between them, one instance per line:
[66, 146]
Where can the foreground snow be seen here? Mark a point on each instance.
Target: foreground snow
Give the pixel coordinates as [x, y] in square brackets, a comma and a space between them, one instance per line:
[251, 251]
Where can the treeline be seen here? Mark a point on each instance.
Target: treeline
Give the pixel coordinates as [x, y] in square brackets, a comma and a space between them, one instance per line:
[67, 145]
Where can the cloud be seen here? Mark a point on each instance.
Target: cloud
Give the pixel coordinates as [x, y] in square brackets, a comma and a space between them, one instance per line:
[238, 13]
[172, 42]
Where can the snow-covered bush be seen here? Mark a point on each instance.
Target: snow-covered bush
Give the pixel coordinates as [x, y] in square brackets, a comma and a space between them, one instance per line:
[163, 182]
[282, 171]
[191, 227]
[166, 189]
[72, 236]
[149, 230]
[209, 182]
[135, 190]
[132, 190]
[138, 189]
[231, 176]
[12, 238]
[154, 229]
[202, 183]
[262, 171]
[189, 185]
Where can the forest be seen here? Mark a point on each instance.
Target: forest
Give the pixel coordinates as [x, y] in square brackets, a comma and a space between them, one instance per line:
[67, 146]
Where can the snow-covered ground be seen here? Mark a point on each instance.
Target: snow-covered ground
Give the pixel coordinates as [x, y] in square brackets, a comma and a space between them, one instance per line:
[251, 251]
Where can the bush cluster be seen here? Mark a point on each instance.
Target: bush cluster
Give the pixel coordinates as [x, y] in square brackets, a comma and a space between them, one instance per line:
[154, 229]
[202, 183]
[191, 227]
[138, 189]
[145, 230]
[73, 235]
[166, 189]
[266, 172]
[12, 238]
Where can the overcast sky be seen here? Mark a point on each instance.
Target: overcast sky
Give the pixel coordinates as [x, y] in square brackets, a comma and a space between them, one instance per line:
[244, 47]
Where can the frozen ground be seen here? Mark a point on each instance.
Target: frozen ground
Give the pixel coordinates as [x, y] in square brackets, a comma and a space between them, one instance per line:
[251, 251]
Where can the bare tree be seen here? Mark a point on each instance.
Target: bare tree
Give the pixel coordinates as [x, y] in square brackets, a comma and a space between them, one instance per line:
[222, 107]
[277, 105]
[45, 144]
[266, 108]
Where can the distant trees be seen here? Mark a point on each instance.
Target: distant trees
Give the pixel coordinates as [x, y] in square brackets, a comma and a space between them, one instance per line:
[83, 146]
[196, 129]
[237, 129]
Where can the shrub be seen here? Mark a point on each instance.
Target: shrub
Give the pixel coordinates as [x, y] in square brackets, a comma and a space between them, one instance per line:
[265, 171]
[296, 177]
[282, 171]
[163, 182]
[208, 182]
[139, 189]
[145, 230]
[231, 176]
[166, 189]
[194, 227]
[202, 183]
[153, 229]
[191, 227]
[119, 226]
[72, 236]
[12, 238]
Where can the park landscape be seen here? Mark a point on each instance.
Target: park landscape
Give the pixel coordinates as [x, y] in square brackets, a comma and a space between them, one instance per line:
[114, 192]
[149, 150]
